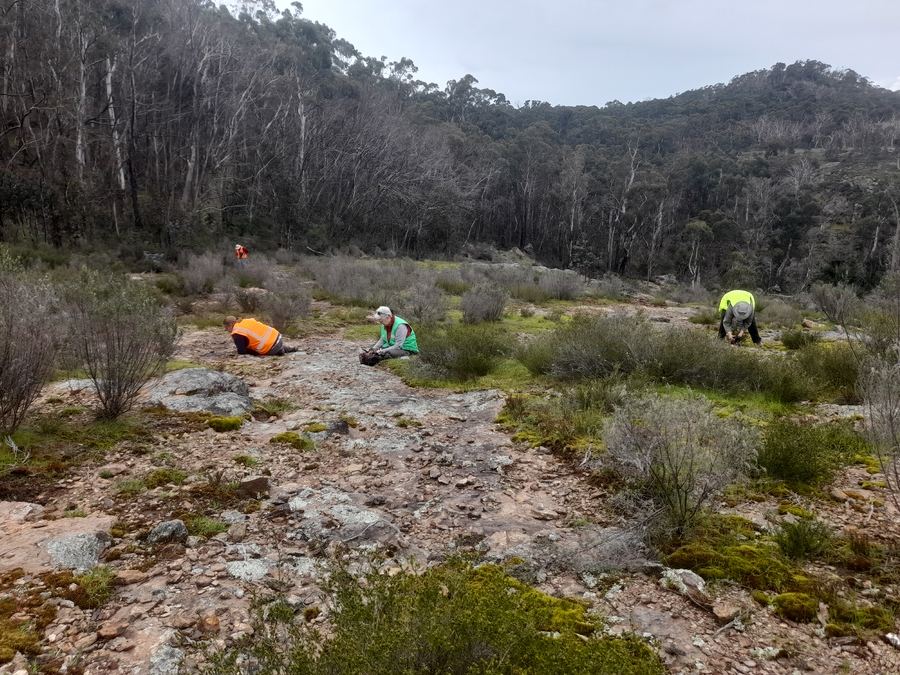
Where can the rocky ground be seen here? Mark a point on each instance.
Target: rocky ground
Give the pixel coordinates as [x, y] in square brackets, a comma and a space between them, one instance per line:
[424, 473]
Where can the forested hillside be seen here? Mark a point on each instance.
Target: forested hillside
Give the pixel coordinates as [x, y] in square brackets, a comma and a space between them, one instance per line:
[173, 125]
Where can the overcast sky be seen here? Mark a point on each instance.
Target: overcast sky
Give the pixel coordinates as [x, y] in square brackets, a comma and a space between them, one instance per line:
[589, 52]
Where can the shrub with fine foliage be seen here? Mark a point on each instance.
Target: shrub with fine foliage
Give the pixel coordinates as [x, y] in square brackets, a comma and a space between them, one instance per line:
[201, 272]
[451, 619]
[483, 302]
[805, 454]
[423, 304]
[462, 352]
[679, 453]
[119, 335]
[28, 340]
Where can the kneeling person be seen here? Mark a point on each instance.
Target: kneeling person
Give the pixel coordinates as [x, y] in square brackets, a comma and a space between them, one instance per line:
[738, 315]
[254, 337]
[397, 339]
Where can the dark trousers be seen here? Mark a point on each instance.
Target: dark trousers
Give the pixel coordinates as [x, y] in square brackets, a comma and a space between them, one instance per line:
[752, 330]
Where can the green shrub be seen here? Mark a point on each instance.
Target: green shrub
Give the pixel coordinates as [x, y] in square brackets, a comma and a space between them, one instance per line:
[450, 619]
[452, 285]
[779, 314]
[803, 454]
[708, 316]
[803, 539]
[462, 352]
[130, 486]
[835, 369]
[165, 476]
[796, 339]
[202, 526]
[97, 586]
[245, 460]
[483, 302]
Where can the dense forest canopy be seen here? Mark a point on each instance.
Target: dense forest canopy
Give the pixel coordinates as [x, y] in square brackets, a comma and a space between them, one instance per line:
[173, 124]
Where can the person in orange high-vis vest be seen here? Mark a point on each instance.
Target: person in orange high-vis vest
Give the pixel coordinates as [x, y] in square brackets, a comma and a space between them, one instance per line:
[240, 252]
[256, 338]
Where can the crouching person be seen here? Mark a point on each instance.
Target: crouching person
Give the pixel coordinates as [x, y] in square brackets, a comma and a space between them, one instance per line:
[256, 338]
[397, 339]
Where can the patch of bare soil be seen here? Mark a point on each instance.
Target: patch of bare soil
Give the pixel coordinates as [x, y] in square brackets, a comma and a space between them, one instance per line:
[423, 473]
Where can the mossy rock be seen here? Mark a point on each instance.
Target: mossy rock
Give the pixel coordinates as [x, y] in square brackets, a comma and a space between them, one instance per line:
[222, 424]
[833, 630]
[753, 566]
[294, 440]
[761, 598]
[798, 607]
[315, 427]
[794, 510]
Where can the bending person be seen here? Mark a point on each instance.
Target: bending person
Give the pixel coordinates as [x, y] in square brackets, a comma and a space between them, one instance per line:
[738, 315]
[256, 338]
[397, 339]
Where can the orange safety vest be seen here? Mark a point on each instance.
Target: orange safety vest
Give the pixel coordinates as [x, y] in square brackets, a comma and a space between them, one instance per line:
[241, 252]
[260, 336]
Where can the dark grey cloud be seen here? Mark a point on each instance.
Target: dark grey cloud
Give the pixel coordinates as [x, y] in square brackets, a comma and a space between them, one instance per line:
[588, 52]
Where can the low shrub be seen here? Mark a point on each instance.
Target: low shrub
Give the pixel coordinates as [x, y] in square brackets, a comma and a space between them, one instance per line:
[779, 314]
[29, 337]
[804, 539]
[423, 304]
[706, 317]
[797, 339]
[804, 454]
[201, 272]
[834, 368]
[679, 453]
[452, 284]
[131, 337]
[483, 303]
[449, 619]
[287, 307]
[165, 476]
[203, 526]
[562, 284]
[462, 352]
[249, 300]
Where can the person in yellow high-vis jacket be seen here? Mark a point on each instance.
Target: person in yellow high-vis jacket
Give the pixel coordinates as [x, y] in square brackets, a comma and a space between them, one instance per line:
[256, 338]
[738, 315]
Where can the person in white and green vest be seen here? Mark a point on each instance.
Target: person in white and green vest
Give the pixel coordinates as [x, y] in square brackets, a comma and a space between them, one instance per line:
[738, 315]
[397, 339]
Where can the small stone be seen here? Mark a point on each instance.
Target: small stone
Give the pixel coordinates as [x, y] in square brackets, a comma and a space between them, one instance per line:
[111, 630]
[208, 625]
[128, 577]
[254, 486]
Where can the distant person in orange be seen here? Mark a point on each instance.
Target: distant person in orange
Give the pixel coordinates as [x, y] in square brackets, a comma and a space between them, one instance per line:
[255, 338]
[240, 252]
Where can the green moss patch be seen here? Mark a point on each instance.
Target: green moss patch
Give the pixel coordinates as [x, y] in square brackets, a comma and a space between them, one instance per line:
[294, 440]
[222, 424]
[798, 607]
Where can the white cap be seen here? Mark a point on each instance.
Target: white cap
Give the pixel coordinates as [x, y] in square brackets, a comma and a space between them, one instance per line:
[237, 245]
[382, 312]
